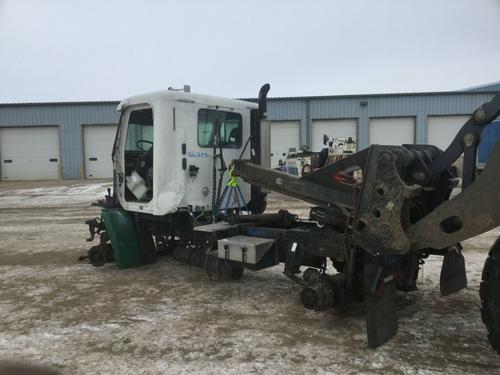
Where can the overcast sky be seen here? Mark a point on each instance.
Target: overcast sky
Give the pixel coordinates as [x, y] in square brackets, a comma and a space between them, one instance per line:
[107, 50]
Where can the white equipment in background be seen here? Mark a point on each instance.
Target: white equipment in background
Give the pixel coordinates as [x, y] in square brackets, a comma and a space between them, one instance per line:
[338, 147]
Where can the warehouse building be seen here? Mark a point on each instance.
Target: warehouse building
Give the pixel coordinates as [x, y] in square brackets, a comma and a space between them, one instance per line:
[73, 140]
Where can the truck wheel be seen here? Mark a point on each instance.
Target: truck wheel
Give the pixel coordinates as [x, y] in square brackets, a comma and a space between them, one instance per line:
[258, 205]
[306, 169]
[97, 256]
[489, 293]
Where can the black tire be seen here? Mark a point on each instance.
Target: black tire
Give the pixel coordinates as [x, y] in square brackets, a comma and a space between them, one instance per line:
[97, 256]
[258, 206]
[306, 169]
[489, 293]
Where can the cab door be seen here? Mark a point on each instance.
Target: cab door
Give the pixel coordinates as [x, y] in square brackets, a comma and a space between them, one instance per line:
[225, 129]
[133, 158]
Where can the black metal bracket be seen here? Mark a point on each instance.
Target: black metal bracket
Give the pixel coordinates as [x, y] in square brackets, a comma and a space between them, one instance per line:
[96, 225]
[472, 212]
[467, 140]
[378, 225]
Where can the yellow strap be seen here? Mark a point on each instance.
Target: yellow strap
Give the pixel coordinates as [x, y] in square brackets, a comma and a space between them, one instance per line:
[233, 180]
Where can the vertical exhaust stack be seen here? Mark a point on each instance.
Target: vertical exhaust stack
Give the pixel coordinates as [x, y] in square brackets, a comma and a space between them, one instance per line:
[263, 100]
[261, 147]
[265, 128]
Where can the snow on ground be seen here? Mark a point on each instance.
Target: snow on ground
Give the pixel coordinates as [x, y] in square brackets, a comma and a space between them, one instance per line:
[76, 193]
[171, 318]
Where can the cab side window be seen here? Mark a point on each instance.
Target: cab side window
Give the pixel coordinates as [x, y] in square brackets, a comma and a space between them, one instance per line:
[140, 130]
[138, 156]
[229, 124]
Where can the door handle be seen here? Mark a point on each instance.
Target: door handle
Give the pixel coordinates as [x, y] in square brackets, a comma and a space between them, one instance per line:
[92, 159]
[53, 160]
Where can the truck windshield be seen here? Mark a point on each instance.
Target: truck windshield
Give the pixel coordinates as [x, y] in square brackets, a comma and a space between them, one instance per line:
[230, 130]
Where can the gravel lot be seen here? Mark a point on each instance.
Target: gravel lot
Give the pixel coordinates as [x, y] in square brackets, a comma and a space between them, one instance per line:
[170, 318]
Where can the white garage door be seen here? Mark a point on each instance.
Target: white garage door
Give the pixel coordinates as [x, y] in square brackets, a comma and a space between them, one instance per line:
[442, 129]
[337, 128]
[284, 135]
[29, 153]
[392, 130]
[98, 144]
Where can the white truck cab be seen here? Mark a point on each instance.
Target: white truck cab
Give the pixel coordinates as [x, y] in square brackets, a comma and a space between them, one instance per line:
[164, 150]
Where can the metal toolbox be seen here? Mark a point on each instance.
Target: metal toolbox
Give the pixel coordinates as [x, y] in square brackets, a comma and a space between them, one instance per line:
[244, 249]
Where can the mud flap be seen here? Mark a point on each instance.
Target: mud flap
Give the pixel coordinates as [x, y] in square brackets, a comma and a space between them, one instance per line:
[381, 315]
[292, 266]
[453, 277]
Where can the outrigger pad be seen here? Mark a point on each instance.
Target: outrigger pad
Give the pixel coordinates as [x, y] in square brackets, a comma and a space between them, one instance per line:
[381, 316]
[453, 277]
